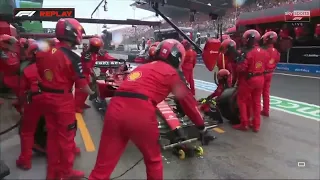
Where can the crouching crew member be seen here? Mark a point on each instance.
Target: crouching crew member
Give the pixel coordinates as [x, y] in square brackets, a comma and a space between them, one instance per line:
[251, 67]
[227, 51]
[59, 69]
[145, 87]
[88, 59]
[188, 64]
[269, 39]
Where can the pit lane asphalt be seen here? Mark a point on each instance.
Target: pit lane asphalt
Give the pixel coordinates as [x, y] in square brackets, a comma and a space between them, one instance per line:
[273, 153]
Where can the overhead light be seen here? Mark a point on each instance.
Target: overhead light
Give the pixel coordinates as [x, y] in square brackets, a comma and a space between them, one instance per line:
[224, 4]
[209, 4]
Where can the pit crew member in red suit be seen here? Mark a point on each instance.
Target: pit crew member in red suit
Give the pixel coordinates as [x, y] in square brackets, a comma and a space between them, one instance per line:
[149, 42]
[30, 96]
[59, 69]
[145, 87]
[228, 48]
[299, 32]
[88, 59]
[251, 67]
[188, 64]
[269, 39]
[229, 58]
[9, 64]
[222, 76]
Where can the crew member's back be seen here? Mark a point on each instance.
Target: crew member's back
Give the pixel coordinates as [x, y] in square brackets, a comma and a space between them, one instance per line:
[156, 87]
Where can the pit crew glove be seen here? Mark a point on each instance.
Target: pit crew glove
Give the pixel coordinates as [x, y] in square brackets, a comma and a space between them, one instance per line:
[93, 96]
[179, 134]
[204, 137]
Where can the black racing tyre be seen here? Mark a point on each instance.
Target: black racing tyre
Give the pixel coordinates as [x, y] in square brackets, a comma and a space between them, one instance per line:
[228, 105]
[40, 137]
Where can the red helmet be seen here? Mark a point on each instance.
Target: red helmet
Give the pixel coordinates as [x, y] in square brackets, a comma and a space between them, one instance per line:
[225, 36]
[251, 35]
[7, 42]
[270, 37]
[70, 30]
[170, 51]
[152, 51]
[95, 44]
[32, 49]
[227, 45]
[186, 44]
[223, 73]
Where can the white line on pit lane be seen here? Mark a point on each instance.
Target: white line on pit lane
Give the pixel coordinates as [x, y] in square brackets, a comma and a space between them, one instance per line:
[296, 75]
[285, 74]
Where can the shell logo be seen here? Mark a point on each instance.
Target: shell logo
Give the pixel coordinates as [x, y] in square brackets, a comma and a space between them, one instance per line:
[48, 74]
[258, 65]
[271, 61]
[134, 76]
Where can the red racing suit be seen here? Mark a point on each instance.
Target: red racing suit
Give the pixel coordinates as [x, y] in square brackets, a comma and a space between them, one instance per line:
[31, 97]
[88, 60]
[59, 69]
[145, 87]
[223, 62]
[250, 85]
[187, 68]
[9, 67]
[270, 66]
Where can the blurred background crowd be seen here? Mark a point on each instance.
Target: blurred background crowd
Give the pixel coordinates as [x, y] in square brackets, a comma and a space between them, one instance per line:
[202, 24]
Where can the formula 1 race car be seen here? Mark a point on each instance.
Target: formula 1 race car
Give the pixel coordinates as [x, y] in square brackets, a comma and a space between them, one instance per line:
[105, 84]
[180, 139]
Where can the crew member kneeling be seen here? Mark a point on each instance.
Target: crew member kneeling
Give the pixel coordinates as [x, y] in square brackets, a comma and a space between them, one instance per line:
[269, 39]
[251, 69]
[131, 114]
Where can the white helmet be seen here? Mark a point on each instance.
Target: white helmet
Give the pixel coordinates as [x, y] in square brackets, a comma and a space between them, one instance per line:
[142, 37]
